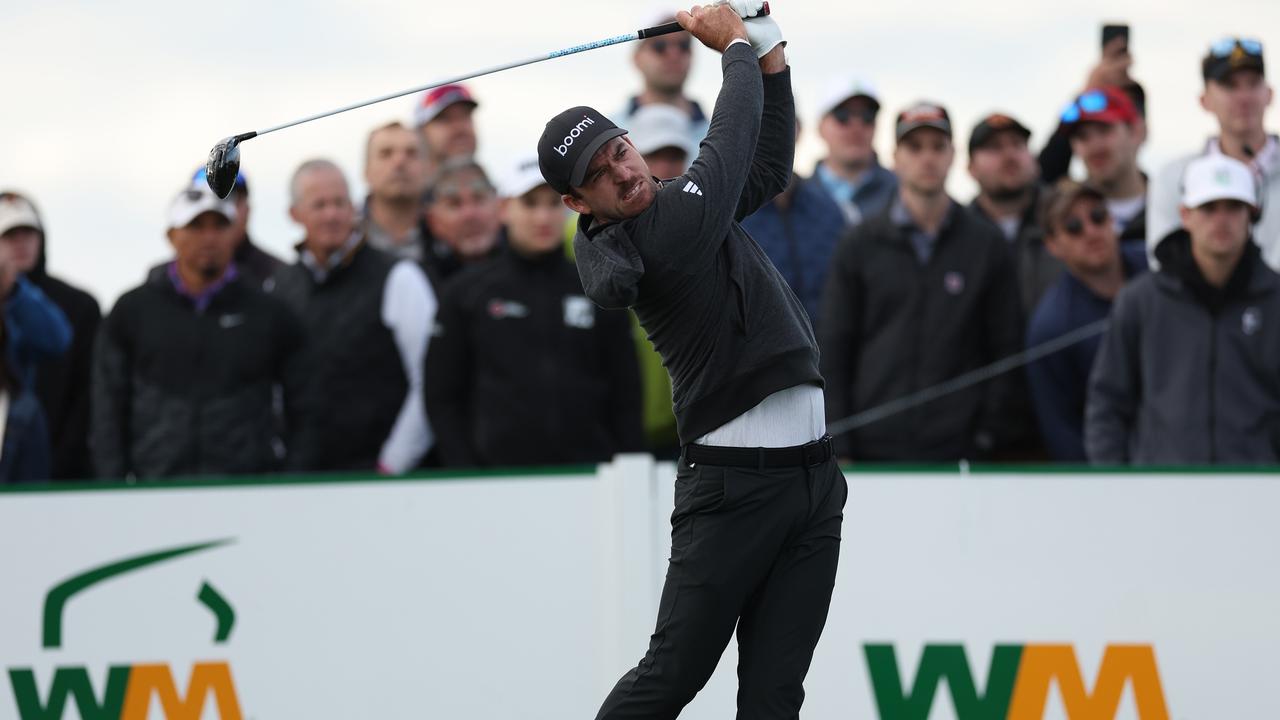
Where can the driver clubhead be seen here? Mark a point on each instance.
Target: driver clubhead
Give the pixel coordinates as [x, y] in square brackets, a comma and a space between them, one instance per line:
[224, 165]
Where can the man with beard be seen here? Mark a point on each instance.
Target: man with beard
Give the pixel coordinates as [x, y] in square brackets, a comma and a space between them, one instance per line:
[395, 169]
[186, 366]
[918, 297]
[444, 119]
[1009, 196]
[664, 63]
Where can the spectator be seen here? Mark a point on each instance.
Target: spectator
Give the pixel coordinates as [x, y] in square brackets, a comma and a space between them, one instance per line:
[1106, 132]
[1189, 371]
[24, 452]
[1237, 94]
[186, 365]
[461, 209]
[1078, 232]
[37, 329]
[916, 297]
[1009, 196]
[798, 230]
[664, 63]
[62, 383]
[851, 172]
[444, 119]
[524, 369]
[664, 136]
[395, 169]
[255, 265]
[368, 317]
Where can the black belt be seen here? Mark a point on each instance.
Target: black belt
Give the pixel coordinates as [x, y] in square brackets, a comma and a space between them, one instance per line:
[807, 455]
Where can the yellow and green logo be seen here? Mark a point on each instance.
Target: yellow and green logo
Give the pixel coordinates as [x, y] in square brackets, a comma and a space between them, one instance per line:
[1018, 683]
[130, 687]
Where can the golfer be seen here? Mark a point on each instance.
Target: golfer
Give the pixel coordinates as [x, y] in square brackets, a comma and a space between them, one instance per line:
[759, 499]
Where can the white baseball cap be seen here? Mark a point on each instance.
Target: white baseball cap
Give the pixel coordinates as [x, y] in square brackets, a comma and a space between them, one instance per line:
[656, 126]
[1218, 177]
[194, 200]
[15, 213]
[522, 178]
[849, 86]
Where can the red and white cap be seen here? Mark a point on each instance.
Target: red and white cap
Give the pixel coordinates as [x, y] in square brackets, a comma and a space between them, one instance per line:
[435, 101]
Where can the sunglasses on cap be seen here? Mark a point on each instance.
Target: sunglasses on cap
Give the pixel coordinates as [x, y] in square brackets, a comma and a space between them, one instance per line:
[845, 115]
[1074, 226]
[1227, 45]
[660, 45]
[1094, 101]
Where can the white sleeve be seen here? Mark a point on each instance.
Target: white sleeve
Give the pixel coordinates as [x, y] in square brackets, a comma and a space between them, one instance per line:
[409, 311]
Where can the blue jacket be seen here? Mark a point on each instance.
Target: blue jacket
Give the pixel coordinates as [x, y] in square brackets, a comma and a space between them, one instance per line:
[38, 330]
[25, 458]
[869, 199]
[799, 236]
[1060, 382]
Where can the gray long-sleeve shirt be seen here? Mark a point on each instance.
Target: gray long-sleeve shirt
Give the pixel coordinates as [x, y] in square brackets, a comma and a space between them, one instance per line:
[729, 329]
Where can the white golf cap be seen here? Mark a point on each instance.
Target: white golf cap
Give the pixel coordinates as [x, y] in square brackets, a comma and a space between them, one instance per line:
[656, 126]
[1218, 177]
[845, 87]
[522, 178]
[196, 199]
[15, 213]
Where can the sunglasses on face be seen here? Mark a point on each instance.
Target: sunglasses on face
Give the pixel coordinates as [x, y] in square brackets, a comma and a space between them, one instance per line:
[844, 115]
[660, 45]
[1226, 46]
[1093, 101]
[1074, 226]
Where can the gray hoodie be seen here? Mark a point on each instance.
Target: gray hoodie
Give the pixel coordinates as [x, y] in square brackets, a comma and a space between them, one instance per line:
[1187, 373]
[728, 328]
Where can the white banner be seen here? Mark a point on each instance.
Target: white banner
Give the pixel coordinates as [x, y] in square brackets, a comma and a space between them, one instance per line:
[1022, 595]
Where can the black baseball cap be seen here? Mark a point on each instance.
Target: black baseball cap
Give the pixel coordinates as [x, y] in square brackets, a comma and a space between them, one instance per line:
[569, 142]
[923, 115]
[1230, 54]
[992, 124]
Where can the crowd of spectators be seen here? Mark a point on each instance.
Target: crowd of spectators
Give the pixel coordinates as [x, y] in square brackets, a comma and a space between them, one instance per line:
[1119, 317]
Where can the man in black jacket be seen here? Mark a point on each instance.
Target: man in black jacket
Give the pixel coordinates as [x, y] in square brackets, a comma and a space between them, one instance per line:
[62, 383]
[186, 365]
[523, 369]
[917, 297]
[755, 536]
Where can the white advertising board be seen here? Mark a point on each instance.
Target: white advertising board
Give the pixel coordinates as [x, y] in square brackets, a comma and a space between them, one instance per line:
[966, 596]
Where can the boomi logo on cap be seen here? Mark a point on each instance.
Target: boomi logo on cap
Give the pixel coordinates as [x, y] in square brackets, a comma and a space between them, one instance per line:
[573, 135]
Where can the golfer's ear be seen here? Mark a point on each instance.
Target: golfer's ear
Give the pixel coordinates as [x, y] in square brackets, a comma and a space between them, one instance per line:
[576, 204]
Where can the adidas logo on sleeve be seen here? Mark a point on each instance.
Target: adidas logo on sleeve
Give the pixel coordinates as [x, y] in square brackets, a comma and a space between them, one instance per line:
[692, 189]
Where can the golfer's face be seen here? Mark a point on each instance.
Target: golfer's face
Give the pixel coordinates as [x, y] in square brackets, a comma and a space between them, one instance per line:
[618, 184]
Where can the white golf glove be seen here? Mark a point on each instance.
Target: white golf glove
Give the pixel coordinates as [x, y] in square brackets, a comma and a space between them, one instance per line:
[746, 8]
[763, 33]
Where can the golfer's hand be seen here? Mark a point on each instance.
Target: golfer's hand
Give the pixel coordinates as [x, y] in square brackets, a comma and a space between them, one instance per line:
[764, 34]
[714, 26]
[746, 8]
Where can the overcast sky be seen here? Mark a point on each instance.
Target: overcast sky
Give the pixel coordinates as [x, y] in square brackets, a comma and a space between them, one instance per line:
[109, 107]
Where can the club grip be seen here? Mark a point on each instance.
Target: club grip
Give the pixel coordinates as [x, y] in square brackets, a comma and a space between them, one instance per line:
[674, 27]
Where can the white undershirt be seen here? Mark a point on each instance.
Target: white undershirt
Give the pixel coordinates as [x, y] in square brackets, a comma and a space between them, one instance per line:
[409, 311]
[1124, 210]
[794, 416]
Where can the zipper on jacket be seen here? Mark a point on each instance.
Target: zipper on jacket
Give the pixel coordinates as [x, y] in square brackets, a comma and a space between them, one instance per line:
[1213, 380]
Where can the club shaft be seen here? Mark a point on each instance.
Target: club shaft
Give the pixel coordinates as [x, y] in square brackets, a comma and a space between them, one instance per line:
[616, 40]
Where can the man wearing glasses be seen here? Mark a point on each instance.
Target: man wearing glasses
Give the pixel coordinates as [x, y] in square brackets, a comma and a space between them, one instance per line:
[851, 173]
[1237, 94]
[1080, 234]
[664, 63]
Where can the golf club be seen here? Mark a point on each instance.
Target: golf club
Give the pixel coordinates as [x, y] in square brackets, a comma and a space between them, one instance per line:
[224, 159]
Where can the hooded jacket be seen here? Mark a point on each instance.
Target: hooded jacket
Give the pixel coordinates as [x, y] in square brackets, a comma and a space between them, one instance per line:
[62, 382]
[729, 329]
[1188, 373]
